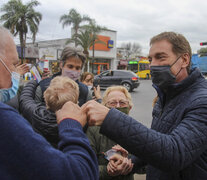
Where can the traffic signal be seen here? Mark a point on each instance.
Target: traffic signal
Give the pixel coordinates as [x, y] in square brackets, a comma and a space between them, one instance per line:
[203, 43]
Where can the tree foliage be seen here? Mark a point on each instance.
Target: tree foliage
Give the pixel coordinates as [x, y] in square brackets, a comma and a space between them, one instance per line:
[20, 18]
[85, 39]
[94, 29]
[85, 35]
[202, 51]
[132, 49]
[75, 19]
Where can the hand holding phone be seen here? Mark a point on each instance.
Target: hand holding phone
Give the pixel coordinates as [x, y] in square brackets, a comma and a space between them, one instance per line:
[108, 154]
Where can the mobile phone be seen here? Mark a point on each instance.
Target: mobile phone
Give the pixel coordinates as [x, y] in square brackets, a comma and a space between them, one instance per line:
[95, 84]
[93, 94]
[108, 154]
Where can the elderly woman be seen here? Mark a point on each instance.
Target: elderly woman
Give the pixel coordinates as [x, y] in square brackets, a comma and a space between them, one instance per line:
[114, 97]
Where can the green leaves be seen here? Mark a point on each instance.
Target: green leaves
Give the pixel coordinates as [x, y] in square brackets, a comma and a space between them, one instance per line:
[75, 19]
[19, 17]
[202, 52]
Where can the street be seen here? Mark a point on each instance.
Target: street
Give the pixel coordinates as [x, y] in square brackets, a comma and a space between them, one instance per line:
[142, 98]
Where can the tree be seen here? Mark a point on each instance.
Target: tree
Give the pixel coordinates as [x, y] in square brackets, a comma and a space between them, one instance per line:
[127, 47]
[75, 19]
[20, 18]
[136, 48]
[85, 40]
[202, 52]
[94, 29]
[131, 49]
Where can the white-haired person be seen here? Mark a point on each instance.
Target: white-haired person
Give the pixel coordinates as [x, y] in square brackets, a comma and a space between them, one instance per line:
[114, 97]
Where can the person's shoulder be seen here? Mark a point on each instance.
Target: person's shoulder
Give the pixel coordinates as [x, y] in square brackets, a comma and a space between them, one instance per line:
[198, 88]
[45, 83]
[6, 108]
[82, 86]
[196, 94]
[45, 80]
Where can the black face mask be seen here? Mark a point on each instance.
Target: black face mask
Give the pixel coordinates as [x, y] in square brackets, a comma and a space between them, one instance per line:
[162, 76]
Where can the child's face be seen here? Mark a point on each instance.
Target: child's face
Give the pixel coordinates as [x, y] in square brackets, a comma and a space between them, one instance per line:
[88, 80]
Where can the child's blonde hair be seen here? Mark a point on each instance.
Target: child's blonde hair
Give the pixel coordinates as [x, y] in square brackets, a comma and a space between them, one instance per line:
[61, 90]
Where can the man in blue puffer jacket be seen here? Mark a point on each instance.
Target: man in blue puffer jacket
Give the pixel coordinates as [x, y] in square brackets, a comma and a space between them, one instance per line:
[175, 148]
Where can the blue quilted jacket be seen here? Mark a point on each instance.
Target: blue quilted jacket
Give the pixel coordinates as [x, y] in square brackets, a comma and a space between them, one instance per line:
[175, 148]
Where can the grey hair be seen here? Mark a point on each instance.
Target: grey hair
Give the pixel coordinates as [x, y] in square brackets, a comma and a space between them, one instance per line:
[4, 34]
[72, 52]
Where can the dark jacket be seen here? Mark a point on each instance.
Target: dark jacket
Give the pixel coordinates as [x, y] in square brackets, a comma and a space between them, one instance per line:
[26, 155]
[175, 148]
[43, 121]
[43, 85]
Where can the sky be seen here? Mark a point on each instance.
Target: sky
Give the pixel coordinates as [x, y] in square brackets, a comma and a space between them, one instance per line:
[134, 20]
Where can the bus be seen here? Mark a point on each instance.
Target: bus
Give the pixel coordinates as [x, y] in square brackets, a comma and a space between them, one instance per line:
[140, 67]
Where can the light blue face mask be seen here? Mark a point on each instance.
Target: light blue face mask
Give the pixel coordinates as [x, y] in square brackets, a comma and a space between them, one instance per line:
[7, 94]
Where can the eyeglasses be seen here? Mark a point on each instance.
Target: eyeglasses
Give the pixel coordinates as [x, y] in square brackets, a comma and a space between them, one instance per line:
[121, 103]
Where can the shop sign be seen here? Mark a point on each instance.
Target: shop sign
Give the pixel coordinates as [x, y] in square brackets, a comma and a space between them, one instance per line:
[32, 52]
[48, 53]
[110, 43]
[133, 62]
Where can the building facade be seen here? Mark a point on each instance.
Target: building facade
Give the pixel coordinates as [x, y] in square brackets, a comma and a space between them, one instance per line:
[104, 54]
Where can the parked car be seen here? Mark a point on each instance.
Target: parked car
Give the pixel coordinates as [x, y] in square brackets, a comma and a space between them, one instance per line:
[128, 79]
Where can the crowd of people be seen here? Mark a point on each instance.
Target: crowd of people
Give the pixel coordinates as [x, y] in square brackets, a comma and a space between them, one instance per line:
[63, 128]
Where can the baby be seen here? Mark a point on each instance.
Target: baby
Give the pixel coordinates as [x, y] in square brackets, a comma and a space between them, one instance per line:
[61, 90]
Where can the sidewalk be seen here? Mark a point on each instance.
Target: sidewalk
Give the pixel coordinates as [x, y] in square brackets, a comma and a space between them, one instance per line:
[140, 177]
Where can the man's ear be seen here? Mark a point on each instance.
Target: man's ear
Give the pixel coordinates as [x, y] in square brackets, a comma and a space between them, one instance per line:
[186, 60]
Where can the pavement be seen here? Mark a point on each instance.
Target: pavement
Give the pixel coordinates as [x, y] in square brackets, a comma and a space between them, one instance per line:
[139, 177]
[142, 111]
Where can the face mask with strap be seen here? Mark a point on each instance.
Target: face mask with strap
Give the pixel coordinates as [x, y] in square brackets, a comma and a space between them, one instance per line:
[162, 76]
[7, 94]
